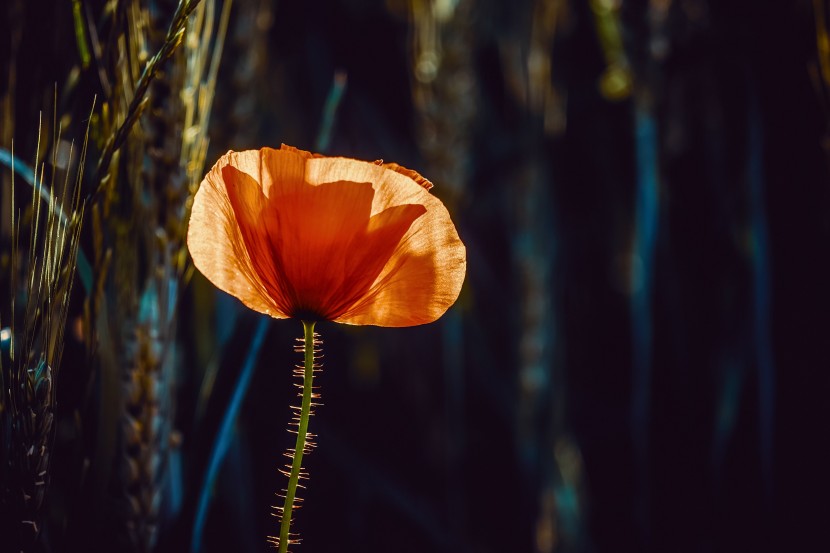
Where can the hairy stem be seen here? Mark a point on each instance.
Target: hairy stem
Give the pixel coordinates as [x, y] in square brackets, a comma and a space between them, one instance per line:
[302, 430]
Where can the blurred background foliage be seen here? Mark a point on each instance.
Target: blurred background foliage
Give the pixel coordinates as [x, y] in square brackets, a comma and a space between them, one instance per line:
[637, 362]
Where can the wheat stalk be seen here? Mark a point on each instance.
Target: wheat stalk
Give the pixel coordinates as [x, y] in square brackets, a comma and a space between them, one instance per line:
[157, 147]
[36, 345]
[138, 102]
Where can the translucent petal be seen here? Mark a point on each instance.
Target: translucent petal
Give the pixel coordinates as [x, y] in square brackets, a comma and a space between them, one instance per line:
[295, 234]
[424, 274]
[215, 240]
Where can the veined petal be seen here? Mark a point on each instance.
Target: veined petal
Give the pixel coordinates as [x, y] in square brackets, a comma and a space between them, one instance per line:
[312, 231]
[215, 239]
[422, 181]
[256, 218]
[370, 251]
[303, 153]
[423, 276]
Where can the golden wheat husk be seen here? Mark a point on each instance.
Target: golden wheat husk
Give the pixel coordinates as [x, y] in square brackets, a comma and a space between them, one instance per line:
[159, 145]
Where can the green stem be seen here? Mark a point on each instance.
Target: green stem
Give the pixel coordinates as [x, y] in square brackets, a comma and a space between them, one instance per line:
[302, 429]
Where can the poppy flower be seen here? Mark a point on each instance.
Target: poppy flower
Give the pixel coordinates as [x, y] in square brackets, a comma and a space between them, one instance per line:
[296, 234]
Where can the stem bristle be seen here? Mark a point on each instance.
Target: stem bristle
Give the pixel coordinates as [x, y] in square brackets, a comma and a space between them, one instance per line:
[311, 348]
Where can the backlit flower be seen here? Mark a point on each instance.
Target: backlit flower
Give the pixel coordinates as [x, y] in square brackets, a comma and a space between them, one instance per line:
[295, 234]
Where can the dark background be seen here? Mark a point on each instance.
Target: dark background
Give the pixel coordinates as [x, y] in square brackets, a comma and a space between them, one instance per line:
[639, 357]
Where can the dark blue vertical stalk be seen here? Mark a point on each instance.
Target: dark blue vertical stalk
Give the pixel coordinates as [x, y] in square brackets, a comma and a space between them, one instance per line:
[540, 410]
[453, 354]
[225, 434]
[534, 247]
[760, 286]
[338, 87]
[641, 278]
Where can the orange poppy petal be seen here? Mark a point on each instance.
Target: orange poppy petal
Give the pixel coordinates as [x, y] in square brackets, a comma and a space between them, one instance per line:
[422, 181]
[368, 253]
[424, 274]
[421, 280]
[311, 234]
[281, 170]
[215, 240]
[256, 219]
[330, 248]
[304, 153]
